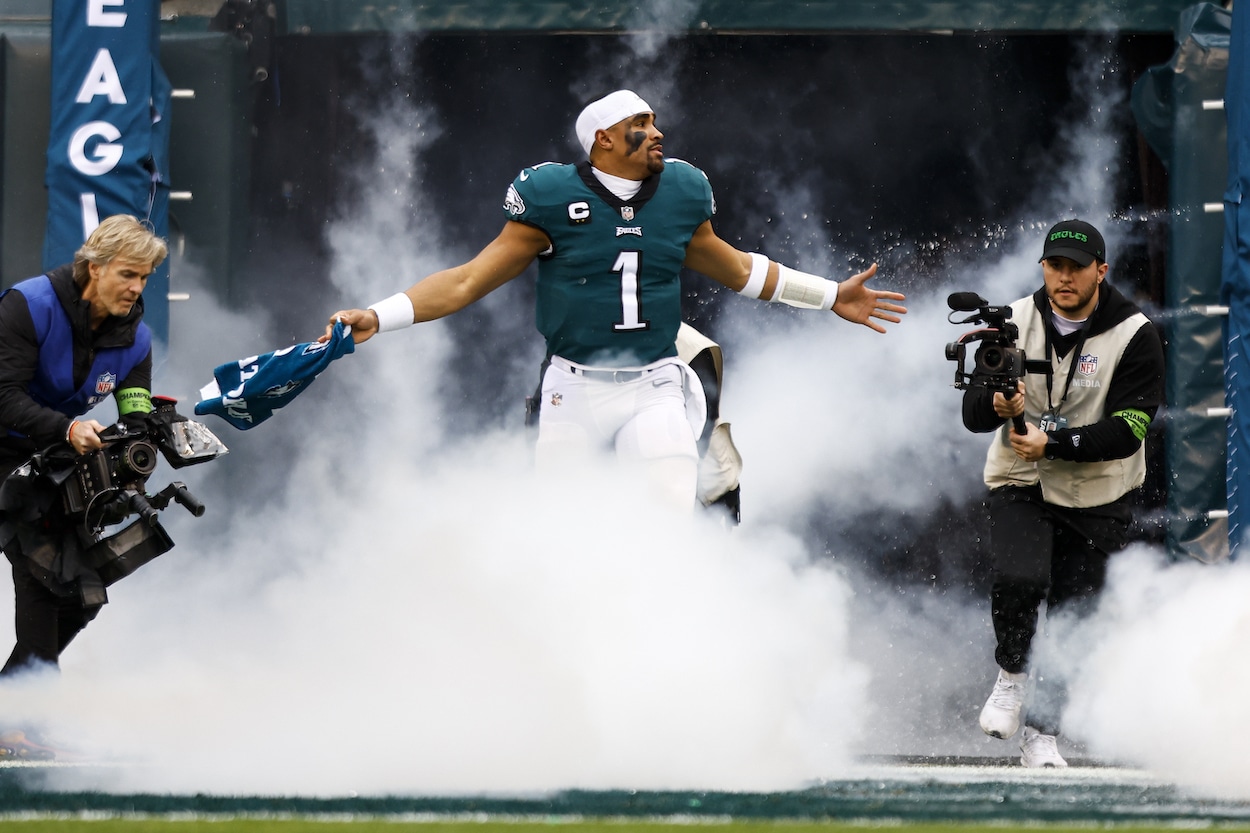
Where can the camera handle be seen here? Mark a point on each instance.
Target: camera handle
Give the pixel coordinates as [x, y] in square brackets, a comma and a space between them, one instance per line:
[1017, 422]
[137, 502]
[177, 491]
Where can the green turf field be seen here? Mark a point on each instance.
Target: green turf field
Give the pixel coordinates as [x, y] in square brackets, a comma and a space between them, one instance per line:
[374, 825]
[935, 798]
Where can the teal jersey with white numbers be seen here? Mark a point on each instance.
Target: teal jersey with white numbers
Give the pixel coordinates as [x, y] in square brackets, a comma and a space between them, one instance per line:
[609, 288]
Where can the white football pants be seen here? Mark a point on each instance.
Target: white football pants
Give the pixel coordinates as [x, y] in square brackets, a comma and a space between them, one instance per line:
[642, 421]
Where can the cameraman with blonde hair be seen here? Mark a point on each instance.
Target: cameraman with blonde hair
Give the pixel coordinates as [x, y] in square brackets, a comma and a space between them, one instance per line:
[69, 339]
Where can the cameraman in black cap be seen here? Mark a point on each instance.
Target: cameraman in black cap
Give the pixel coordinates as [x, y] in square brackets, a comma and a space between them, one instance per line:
[68, 340]
[1060, 500]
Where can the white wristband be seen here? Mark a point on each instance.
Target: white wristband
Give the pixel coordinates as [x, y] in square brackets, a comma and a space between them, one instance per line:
[759, 272]
[799, 289]
[394, 313]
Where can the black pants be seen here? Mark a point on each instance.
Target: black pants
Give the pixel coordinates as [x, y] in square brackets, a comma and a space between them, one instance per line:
[45, 622]
[1042, 552]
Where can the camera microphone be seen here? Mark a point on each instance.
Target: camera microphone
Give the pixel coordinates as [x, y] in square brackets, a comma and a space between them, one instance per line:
[965, 301]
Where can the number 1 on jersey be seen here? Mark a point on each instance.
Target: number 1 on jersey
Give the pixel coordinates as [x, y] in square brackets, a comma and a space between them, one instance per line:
[631, 293]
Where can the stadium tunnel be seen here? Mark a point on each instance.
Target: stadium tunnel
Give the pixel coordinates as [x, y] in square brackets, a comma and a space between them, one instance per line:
[255, 79]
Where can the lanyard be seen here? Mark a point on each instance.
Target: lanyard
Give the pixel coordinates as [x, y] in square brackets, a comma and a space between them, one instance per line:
[1076, 357]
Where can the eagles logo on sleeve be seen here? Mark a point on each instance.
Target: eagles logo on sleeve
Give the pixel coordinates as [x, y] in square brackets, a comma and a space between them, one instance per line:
[512, 202]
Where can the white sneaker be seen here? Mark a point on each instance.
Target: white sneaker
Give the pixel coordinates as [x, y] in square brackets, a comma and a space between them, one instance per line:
[1000, 718]
[1039, 750]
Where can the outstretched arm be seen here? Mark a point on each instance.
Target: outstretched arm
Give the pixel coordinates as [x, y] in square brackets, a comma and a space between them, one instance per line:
[755, 276]
[451, 290]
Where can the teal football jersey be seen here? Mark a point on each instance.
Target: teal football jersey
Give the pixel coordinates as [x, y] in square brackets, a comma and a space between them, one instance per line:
[609, 288]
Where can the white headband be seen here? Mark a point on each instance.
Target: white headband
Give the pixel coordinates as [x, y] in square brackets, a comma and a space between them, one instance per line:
[607, 111]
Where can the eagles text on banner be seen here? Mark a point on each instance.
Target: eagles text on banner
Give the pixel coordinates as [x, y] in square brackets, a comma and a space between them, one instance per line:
[108, 142]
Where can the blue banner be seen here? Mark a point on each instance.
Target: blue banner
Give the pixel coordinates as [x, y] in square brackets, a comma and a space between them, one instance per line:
[108, 147]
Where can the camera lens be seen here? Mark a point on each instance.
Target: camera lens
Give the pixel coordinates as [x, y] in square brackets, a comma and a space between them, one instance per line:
[140, 457]
[992, 359]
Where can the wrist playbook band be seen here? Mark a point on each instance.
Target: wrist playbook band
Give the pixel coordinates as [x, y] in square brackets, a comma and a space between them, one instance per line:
[394, 313]
[799, 289]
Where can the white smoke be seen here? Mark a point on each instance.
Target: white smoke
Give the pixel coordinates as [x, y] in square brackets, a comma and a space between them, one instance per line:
[654, 24]
[1160, 684]
[416, 614]
[424, 640]
[404, 609]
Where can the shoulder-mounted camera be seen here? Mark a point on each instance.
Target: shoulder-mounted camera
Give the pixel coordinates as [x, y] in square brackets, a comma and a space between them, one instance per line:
[108, 485]
[55, 507]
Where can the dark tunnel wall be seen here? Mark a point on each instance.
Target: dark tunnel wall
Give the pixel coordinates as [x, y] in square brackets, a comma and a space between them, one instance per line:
[322, 16]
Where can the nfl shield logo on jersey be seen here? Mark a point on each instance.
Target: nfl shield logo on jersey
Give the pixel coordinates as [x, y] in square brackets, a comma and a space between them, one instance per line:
[105, 383]
[1087, 365]
[627, 212]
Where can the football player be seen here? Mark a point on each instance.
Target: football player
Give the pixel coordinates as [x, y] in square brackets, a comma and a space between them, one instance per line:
[611, 234]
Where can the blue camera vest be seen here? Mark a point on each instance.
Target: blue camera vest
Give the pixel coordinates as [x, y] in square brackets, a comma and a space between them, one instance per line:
[53, 384]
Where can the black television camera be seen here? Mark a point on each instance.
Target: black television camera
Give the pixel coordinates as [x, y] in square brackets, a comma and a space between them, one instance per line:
[58, 503]
[108, 485]
[998, 364]
[104, 487]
